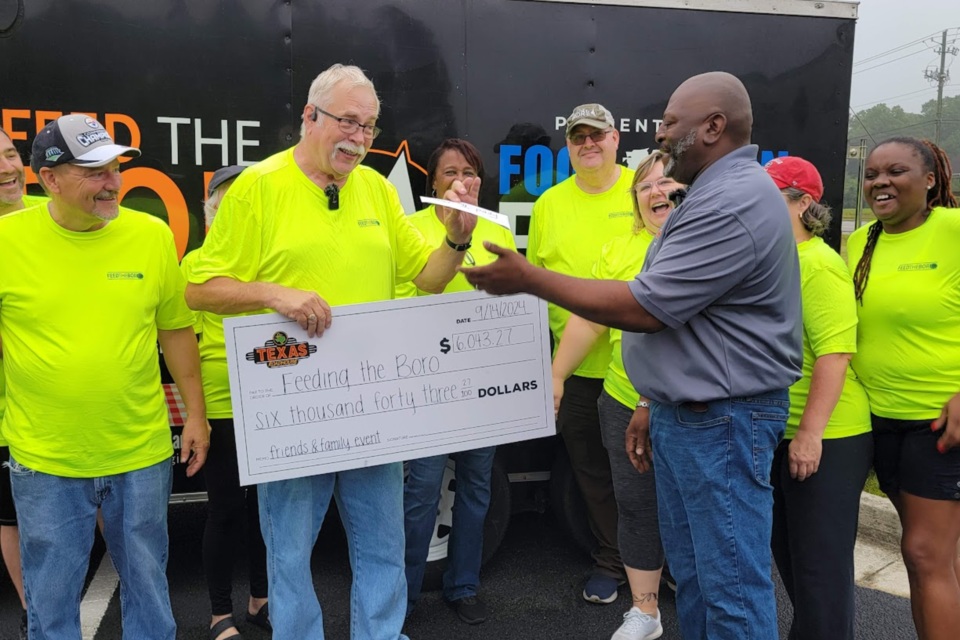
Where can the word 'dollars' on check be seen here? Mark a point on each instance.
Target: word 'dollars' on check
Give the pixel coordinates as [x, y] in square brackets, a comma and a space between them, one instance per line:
[389, 381]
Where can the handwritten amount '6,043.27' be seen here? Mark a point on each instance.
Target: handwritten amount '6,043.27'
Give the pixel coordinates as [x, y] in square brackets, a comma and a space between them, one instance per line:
[474, 340]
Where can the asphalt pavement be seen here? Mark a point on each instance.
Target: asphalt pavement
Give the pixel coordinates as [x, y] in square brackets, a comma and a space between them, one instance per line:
[532, 587]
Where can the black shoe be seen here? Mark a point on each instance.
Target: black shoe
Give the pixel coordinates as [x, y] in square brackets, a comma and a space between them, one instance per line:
[23, 625]
[261, 618]
[470, 609]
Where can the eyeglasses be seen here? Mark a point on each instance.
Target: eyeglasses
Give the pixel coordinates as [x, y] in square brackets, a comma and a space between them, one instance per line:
[349, 126]
[663, 184]
[597, 136]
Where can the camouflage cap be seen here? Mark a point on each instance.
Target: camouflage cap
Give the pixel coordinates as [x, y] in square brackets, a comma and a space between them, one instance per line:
[593, 115]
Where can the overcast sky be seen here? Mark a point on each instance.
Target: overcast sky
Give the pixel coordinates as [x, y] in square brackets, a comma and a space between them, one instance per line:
[887, 24]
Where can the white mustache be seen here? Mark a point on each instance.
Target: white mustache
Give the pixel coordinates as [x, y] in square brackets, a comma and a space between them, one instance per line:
[357, 149]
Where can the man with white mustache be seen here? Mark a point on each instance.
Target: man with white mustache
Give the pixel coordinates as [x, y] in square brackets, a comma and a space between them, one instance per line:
[571, 223]
[303, 230]
[87, 288]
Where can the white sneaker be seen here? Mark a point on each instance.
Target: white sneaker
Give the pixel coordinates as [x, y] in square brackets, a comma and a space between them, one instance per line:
[638, 625]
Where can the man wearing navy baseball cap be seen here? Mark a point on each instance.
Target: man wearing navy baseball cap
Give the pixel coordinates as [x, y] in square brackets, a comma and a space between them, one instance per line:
[75, 152]
[76, 139]
[87, 288]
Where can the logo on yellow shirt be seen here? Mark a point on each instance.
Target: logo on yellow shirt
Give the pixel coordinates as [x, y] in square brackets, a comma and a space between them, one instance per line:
[917, 266]
[368, 222]
[620, 214]
[282, 351]
[124, 275]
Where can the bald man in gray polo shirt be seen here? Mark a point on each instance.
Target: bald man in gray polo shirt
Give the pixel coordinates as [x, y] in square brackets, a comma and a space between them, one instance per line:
[715, 342]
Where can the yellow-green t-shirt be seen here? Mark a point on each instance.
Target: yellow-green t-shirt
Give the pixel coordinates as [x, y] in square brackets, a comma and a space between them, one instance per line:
[186, 267]
[621, 259]
[3, 399]
[32, 201]
[28, 201]
[79, 314]
[908, 338]
[274, 225]
[567, 233]
[427, 222]
[829, 326]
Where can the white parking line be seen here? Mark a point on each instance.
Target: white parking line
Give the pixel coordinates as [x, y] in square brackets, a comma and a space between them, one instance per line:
[97, 598]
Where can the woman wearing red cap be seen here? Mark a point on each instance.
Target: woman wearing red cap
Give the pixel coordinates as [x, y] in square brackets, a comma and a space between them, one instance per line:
[820, 467]
[906, 268]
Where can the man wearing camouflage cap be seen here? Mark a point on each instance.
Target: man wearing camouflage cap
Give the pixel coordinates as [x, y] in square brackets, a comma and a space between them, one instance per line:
[87, 288]
[571, 223]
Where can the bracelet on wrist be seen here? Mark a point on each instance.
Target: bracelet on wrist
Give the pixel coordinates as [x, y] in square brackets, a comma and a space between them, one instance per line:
[455, 246]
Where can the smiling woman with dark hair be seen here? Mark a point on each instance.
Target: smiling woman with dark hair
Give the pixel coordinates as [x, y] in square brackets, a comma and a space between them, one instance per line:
[454, 159]
[906, 269]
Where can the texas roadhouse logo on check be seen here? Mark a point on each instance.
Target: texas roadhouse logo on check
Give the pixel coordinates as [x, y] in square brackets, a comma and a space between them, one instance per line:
[281, 351]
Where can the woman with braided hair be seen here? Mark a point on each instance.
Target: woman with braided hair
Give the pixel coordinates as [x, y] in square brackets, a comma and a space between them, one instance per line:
[906, 269]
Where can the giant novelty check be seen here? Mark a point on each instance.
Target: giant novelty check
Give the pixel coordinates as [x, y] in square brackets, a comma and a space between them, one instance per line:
[388, 381]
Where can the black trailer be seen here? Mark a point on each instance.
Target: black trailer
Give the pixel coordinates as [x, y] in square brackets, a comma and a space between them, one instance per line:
[205, 83]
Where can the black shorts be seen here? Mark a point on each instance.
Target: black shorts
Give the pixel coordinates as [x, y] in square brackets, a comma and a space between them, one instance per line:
[8, 514]
[905, 458]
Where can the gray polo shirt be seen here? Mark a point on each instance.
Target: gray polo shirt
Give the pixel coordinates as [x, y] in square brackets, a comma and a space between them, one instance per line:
[724, 276]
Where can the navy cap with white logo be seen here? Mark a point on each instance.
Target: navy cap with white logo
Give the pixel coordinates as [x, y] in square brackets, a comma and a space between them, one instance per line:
[76, 139]
[222, 175]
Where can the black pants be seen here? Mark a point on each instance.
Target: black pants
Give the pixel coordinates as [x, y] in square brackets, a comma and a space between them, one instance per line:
[579, 424]
[638, 531]
[814, 532]
[231, 510]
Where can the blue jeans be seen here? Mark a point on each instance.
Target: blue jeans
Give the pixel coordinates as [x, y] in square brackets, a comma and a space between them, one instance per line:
[370, 501]
[421, 497]
[716, 511]
[58, 517]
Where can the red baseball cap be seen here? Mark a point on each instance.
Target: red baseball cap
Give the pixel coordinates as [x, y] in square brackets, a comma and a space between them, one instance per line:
[791, 171]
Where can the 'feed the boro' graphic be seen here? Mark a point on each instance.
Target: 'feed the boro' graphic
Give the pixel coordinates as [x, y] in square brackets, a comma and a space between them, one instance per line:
[389, 381]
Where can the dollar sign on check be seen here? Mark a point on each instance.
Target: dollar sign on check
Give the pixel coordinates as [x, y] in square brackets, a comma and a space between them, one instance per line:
[445, 346]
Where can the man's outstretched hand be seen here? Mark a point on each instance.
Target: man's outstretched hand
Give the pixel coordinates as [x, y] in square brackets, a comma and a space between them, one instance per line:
[509, 273]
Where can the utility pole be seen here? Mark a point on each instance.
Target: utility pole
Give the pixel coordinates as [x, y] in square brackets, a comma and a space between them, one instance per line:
[941, 78]
[859, 153]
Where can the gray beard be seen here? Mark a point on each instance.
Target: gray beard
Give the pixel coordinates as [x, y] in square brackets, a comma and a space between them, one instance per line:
[679, 148]
[6, 203]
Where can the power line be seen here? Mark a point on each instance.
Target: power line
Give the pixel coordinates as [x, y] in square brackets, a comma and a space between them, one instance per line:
[896, 49]
[900, 48]
[857, 116]
[909, 126]
[902, 95]
[883, 64]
